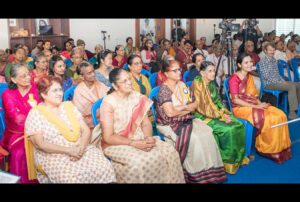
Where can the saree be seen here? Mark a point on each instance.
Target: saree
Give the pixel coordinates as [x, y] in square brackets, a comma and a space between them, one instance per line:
[85, 97]
[273, 143]
[192, 138]
[64, 131]
[184, 58]
[16, 108]
[229, 137]
[119, 64]
[160, 165]
[142, 85]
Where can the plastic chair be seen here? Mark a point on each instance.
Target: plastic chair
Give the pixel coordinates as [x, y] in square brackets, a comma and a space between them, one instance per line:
[248, 126]
[125, 66]
[94, 108]
[189, 83]
[146, 72]
[154, 94]
[152, 79]
[68, 95]
[276, 93]
[294, 63]
[3, 87]
[185, 75]
[284, 65]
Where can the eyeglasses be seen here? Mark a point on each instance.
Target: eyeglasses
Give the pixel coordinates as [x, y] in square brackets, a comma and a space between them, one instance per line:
[138, 63]
[56, 90]
[176, 70]
[128, 80]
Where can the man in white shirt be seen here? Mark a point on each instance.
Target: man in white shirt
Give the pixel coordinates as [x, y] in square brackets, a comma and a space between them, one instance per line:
[199, 48]
[223, 66]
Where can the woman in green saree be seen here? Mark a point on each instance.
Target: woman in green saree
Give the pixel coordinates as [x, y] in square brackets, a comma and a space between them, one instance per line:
[228, 131]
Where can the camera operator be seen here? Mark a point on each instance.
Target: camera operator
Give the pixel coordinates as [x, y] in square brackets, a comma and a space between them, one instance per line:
[177, 32]
[250, 30]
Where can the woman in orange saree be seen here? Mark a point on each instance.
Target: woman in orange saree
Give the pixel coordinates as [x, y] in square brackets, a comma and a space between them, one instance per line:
[273, 143]
[135, 154]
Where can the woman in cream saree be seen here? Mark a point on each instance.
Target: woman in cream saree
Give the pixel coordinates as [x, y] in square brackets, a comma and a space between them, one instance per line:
[136, 156]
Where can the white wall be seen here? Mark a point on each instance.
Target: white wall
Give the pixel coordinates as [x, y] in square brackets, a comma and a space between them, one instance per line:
[204, 27]
[4, 38]
[90, 31]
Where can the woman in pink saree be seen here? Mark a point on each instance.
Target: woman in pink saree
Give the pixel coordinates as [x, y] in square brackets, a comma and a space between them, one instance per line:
[17, 102]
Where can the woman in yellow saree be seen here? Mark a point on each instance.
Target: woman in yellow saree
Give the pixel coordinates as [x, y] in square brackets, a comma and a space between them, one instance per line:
[273, 143]
[136, 155]
[228, 131]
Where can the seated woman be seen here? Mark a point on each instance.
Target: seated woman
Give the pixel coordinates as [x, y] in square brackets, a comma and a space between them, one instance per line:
[104, 59]
[57, 68]
[62, 153]
[136, 155]
[273, 143]
[140, 83]
[17, 102]
[192, 138]
[40, 68]
[228, 131]
[120, 59]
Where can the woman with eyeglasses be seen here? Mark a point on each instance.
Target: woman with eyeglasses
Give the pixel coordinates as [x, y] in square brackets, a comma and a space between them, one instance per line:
[140, 83]
[136, 155]
[228, 131]
[120, 59]
[192, 138]
[58, 140]
[148, 55]
[104, 59]
[57, 68]
[17, 101]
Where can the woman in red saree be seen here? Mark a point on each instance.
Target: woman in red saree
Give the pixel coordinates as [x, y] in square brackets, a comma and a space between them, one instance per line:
[17, 102]
[121, 59]
[136, 155]
[273, 143]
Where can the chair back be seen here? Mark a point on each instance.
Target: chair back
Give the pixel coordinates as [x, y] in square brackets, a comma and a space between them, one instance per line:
[94, 108]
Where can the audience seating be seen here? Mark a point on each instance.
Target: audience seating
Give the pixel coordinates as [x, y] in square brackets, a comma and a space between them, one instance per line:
[185, 75]
[68, 95]
[96, 106]
[152, 79]
[294, 63]
[154, 94]
[284, 65]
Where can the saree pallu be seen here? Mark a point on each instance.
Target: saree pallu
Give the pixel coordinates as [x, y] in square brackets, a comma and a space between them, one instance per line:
[192, 138]
[273, 143]
[16, 109]
[85, 97]
[160, 165]
[229, 137]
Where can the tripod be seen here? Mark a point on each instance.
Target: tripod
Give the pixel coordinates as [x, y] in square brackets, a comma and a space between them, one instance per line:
[104, 38]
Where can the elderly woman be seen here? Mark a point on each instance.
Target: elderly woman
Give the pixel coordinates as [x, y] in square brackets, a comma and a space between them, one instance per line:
[17, 102]
[273, 143]
[120, 59]
[140, 83]
[192, 138]
[136, 155]
[228, 131]
[62, 153]
[40, 68]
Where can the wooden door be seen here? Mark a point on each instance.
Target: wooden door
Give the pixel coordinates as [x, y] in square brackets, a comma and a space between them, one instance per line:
[153, 28]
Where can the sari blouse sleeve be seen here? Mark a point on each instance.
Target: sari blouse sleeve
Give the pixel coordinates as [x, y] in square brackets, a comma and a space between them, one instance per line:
[164, 95]
[106, 113]
[233, 86]
[12, 111]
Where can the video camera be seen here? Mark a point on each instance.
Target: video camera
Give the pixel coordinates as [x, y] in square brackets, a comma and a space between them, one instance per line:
[251, 22]
[228, 26]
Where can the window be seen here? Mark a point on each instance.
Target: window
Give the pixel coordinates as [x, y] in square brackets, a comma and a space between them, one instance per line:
[285, 26]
